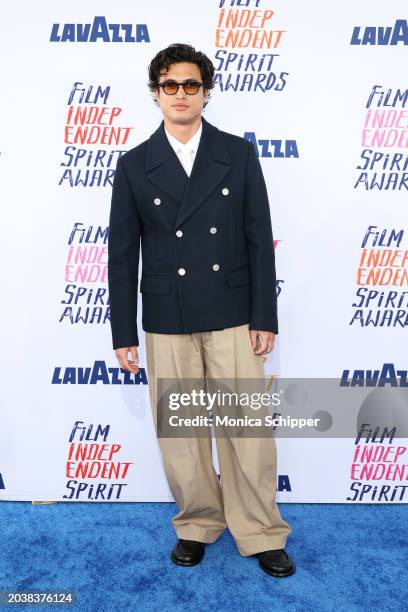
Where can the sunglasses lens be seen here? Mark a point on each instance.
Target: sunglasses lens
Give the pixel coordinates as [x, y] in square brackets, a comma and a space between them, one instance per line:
[191, 87]
[170, 88]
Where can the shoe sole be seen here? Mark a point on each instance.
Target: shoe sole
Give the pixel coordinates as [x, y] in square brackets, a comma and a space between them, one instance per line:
[186, 563]
[278, 575]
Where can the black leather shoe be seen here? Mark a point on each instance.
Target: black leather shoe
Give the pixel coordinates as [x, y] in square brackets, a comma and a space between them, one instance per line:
[187, 552]
[276, 563]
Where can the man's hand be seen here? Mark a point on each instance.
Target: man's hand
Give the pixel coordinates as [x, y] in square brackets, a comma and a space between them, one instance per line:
[266, 341]
[124, 362]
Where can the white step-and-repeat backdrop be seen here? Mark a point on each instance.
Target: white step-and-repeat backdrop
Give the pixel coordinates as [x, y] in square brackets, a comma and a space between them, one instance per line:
[321, 91]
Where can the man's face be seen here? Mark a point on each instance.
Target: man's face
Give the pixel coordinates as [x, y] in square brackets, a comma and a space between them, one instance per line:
[181, 108]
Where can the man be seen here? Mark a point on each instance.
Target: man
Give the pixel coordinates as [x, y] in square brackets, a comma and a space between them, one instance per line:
[196, 198]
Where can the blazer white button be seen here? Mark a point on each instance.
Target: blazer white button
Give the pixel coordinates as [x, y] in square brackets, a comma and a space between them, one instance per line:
[181, 271]
[179, 233]
[213, 230]
[157, 201]
[216, 267]
[225, 191]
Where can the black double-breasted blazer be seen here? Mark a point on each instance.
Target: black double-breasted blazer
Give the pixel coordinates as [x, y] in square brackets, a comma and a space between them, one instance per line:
[208, 258]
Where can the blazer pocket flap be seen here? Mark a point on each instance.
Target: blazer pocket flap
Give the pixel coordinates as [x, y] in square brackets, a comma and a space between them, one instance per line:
[154, 284]
[239, 277]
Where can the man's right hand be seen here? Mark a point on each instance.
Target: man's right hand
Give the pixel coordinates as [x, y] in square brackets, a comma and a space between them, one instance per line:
[124, 362]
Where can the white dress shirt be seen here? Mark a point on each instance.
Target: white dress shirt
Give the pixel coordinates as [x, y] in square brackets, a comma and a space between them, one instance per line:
[186, 152]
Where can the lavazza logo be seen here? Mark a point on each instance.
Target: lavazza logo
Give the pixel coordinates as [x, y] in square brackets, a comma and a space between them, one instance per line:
[388, 375]
[381, 35]
[100, 30]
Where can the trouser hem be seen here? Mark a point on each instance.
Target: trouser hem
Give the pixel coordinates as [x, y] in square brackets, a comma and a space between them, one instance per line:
[251, 546]
[199, 534]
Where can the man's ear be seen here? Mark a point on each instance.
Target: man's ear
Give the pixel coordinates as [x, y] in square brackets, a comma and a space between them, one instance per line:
[155, 96]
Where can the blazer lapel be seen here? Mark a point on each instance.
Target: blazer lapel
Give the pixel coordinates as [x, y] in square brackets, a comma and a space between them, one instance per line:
[163, 167]
[211, 164]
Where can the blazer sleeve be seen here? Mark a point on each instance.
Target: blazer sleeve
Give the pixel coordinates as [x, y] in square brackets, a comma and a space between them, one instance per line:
[123, 261]
[261, 250]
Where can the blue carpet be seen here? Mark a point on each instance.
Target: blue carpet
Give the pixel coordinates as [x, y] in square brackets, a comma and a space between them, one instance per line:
[116, 557]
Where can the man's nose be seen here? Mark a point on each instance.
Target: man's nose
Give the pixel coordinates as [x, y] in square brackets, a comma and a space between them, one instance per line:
[181, 94]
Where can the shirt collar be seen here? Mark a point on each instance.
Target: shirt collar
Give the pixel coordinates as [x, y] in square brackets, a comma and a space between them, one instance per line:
[192, 144]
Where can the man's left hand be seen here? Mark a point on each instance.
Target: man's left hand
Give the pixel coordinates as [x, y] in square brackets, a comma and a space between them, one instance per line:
[266, 341]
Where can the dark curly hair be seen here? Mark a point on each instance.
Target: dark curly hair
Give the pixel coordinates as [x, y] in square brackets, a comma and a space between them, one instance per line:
[178, 52]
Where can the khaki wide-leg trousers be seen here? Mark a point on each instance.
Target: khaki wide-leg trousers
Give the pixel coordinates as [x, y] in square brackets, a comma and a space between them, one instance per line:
[244, 500]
